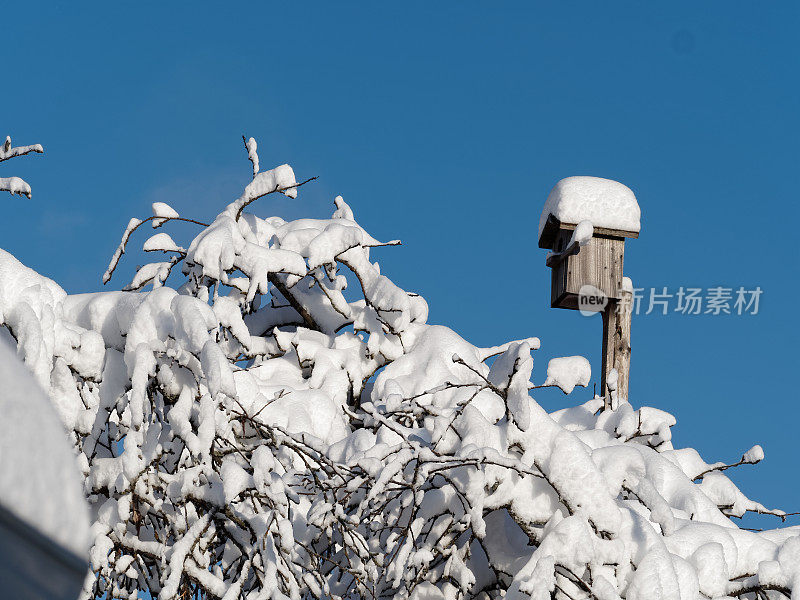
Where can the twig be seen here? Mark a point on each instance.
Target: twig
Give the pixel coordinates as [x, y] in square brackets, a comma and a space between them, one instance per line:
[113, 266]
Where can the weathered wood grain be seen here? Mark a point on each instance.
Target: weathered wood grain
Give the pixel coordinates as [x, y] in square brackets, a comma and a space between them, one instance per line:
[599, 264]
[617, 347]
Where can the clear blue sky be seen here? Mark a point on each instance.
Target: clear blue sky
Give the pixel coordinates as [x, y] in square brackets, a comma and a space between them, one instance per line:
[446, 127]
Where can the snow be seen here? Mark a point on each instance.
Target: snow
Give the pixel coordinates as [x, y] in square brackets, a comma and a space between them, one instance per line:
[280, 398]
[219, 376]
[155, 273]
[39, 478]
[280, 179]
[161, 242]
[627, 285]
[252, 154]
[602, 202]
[133, 224]
[15, 185]
[754, 455]
[582, 234]
[567, 372]
[163, 212]
[235, 479]
[7, 151]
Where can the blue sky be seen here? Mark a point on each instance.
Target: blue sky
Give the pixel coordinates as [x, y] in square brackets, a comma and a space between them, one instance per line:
[446, 127]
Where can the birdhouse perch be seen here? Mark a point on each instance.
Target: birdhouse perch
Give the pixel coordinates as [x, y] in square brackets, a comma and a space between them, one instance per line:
[584, 224]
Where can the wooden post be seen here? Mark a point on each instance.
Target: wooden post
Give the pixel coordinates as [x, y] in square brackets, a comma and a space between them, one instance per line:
[617, 346]
[609, 326]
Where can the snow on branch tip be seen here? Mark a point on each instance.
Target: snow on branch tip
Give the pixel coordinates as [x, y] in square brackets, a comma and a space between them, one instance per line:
[16, 185]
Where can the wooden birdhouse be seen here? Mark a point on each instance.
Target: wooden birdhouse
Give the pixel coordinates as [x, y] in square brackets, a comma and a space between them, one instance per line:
[584, 224]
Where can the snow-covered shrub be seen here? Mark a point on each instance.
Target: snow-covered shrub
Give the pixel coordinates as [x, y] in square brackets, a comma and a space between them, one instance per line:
[281, 422]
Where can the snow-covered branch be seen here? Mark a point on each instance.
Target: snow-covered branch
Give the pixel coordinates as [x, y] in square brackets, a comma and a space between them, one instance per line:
[252, 153]
[15, 185]
[7, 151]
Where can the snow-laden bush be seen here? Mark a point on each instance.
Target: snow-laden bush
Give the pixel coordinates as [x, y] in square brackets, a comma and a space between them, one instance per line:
[283, 423]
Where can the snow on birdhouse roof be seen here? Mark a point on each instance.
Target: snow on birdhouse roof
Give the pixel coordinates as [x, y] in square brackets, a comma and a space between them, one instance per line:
[607, 204]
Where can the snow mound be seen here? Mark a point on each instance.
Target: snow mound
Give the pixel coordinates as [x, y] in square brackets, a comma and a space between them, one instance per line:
[567, 372]
[603, 202]
[39, 478]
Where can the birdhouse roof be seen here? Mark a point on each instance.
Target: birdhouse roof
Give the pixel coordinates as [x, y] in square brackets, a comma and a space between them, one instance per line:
[609, 205]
